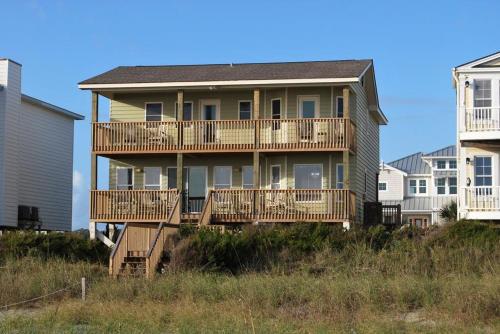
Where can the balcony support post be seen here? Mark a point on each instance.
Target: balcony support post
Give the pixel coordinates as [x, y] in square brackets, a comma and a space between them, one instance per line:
[345, 157]
[256, 153]
[93, 159]
[180, 157]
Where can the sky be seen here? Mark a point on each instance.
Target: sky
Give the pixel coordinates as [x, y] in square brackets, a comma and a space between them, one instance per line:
[414, 45]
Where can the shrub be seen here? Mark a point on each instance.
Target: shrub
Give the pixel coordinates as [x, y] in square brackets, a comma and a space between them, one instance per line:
[449, 212]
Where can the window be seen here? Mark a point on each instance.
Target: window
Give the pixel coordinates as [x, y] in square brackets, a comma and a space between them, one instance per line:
[276, 113]
[245, 109]
[308, 176]
[124, 178]
[452, 185]
[153, 111]
[441, 186]
[340, 106]
[171, 177]
[422, 186]
[188, 111]
[482, 171]
[247, 176]
[413, 187]
[308, 106]
[275, 177]
[382, 186]
[441, 164]
[339, 176]
[453, 164]
[152, 178]
[417, 187]
[222, 177]
[482, 93]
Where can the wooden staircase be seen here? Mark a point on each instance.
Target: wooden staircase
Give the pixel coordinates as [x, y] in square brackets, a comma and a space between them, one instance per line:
[140, 247]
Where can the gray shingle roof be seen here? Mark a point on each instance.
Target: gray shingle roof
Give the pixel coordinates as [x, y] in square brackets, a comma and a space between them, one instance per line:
[230, 72]
[412, 164]
[449, 151]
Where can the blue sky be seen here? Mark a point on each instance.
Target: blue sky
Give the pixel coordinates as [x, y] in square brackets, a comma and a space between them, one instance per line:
[414, 45]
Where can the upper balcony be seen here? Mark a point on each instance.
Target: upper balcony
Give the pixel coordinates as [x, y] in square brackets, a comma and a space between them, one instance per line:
[274, 135]
[480, 124]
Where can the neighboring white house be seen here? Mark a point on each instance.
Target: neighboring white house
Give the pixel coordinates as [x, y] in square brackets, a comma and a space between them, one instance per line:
[477, 86]
[421, 183]
[36, 156]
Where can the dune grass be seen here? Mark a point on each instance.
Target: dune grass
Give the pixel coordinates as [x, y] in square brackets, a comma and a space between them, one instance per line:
[446, 282]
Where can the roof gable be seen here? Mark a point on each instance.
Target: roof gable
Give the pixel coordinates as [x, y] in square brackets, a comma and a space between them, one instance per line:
[487, 62]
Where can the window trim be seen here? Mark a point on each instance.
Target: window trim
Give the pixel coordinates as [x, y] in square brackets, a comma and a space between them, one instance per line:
[482, 99]
[455, 186]
[160, 184]
[337, 98]
[230, 176]
[446, 164]
[168, 178]
[271, 174]
[116, 177]
[492, 175]
[239, 109]
[146, 111]
[318, 164]
[382, 190]
[192, 110]
[243, 177]
[204, 102]
[337, 175]
[445, 186]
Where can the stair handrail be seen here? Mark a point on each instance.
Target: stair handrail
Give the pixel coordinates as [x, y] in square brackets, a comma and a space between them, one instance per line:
[154, 253]
[206, 213]
[119, 251]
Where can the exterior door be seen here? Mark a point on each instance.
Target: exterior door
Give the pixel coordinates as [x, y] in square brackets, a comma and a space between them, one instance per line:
[195, 183]
[308, 108]
[210, 112]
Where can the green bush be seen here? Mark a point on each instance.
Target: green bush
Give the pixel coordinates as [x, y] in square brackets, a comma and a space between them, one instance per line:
[69, 246]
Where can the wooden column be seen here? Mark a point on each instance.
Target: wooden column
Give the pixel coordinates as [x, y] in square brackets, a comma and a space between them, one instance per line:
[93, 159]
[180, 157]
[256, 156]
[345, 159]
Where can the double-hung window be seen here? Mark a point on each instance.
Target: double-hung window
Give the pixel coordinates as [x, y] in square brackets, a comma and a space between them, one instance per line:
[152, 178]
[483, 172]
[247, 172]
[422, 186]
[245, 109]
[441, 164]
[482, 93]
[417, 186]
[154, 111]
[441, 186]
[452, 185]
[382, 186]
[124, 178]
[222, 177]
[340, 106]
[339, 176]
[452, 164]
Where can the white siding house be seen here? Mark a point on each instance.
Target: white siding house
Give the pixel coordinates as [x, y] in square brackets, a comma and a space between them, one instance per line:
[421, 183]
[477, 86]
[36, 155]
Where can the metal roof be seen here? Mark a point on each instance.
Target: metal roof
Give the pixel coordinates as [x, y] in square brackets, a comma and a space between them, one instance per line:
[413, 204]
[232, 72]
[449, 151]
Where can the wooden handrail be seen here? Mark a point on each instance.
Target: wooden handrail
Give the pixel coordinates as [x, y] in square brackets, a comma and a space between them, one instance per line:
[223, 135]
[119, 252]
[206, 213]
[158, 243]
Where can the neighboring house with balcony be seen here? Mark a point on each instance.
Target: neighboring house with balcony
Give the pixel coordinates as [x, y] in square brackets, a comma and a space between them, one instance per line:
[477, 86]
[240, 143]
[36, 158]
[421, 183]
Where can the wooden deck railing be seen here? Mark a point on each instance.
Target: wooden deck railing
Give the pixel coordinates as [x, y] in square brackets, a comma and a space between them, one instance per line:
[482, 198]
[119, 252]
[274, 205]
[131, 205]
[158, 244]
[223, 136]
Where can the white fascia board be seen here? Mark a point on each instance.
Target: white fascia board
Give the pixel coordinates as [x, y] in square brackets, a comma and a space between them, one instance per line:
[195, 84]
[385, 166]
[479, 61]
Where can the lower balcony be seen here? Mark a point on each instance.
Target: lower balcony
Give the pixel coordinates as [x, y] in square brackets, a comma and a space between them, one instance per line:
[482, 203]
[318, 134]
[274, 205]
[228, 206]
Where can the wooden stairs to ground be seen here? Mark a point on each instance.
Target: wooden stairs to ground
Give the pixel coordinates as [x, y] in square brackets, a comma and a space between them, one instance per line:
[133, 265]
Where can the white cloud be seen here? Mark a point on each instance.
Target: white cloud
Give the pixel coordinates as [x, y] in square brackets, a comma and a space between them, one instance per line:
[77, 180]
